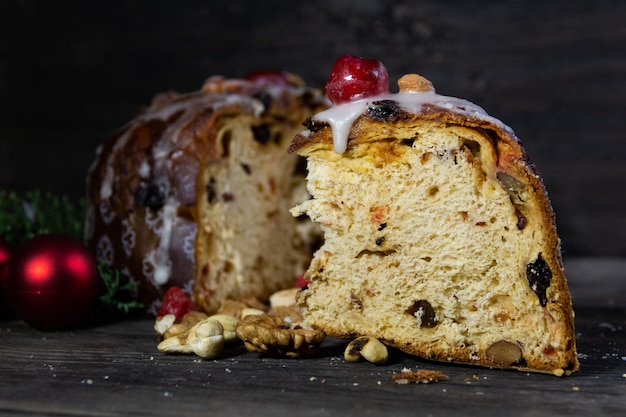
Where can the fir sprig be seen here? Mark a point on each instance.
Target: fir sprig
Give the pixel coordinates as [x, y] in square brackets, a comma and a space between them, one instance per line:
[37, 213]
[119, 292]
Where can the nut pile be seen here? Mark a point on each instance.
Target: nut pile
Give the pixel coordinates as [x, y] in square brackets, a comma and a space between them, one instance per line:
[277, 331]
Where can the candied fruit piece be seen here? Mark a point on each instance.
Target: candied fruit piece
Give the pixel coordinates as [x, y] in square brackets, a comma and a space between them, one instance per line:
[176, 302]
[353, 78]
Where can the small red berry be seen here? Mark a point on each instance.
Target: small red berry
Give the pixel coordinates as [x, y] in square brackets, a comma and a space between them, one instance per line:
[354, 78]
[271, 77]
[176, 302]
[301, 282]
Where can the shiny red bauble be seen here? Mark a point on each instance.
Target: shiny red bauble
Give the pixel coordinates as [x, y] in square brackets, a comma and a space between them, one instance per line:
[51, 281]
[5, 253]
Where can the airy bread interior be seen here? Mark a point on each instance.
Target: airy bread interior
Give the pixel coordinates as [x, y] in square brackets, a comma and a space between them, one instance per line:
[248, 243]
[432, 247]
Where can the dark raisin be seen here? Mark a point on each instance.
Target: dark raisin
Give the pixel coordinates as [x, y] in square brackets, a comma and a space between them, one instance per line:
[539, 276]
[277, 138]
[149, 196]
[383, 110]
[424, 312]
[355, 300]
[380, 240]
[521, 220]
[262, 134]
[314, 125]
[226, 139]
[382, 226]
[265, 98]
[211, 192]
[228, 197]
[408, 142]
[246, 168]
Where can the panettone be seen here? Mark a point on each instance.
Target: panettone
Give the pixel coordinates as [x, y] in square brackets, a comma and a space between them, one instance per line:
[195, 191]
[439, 238]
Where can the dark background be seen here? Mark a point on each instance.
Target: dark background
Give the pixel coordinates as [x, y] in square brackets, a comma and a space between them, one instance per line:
[71, 72]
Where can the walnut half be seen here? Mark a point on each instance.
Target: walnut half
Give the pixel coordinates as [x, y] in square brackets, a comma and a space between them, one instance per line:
[273, 336]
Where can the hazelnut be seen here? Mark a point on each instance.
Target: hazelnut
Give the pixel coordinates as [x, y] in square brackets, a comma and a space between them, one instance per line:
[504, 353]
[367, 347]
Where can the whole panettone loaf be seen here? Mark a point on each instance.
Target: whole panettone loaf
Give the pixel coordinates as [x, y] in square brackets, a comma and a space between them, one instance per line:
[196, 190]
[439, 238]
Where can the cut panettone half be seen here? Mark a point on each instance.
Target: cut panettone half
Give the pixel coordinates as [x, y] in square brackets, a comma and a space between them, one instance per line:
[439, 238]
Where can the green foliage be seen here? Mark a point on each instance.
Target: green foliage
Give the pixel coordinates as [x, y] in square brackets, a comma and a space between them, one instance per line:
[118, 293]
[37, 213]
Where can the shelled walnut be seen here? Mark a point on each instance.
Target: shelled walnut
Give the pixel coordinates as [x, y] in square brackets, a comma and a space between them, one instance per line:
[274, 336]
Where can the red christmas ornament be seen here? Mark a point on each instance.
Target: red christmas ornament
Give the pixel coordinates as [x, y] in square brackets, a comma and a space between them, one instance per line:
[51, 281]
[5, 252]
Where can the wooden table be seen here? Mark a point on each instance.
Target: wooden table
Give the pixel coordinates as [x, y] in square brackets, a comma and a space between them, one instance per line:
[115, 370]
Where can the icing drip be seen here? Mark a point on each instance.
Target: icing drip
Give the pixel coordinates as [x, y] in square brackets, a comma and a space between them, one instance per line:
[162, 266]
[342, 117]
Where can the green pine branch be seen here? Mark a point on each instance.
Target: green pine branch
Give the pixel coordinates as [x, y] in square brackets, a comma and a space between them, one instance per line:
[37, 213]
[118, 292]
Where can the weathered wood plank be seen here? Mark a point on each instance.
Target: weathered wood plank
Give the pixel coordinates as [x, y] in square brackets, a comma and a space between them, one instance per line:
[116, 370]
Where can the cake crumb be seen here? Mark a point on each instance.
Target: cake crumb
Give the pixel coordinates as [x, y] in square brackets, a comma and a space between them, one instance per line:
[421, 376]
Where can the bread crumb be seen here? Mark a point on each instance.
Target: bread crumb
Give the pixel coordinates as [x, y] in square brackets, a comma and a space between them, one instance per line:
[421, 376]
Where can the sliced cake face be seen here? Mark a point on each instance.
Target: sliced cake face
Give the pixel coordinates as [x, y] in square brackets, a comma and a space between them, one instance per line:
[249, 245]
[195, 191]
[438, 235]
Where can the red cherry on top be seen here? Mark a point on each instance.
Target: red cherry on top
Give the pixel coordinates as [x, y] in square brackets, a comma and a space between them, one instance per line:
[354, 78]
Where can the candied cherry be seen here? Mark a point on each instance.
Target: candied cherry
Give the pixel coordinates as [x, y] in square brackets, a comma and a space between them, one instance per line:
[271, 77]
[301, 282]
[354, 78]
[176, 302]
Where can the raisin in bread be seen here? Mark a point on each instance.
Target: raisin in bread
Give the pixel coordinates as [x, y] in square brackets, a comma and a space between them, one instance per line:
[196, 191]
[439, 238]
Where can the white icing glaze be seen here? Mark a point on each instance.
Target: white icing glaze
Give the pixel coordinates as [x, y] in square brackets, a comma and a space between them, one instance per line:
[144, 169]
[154, 221]
[163, 265]
[189, 245]
[128, 236]
[342, 117]
[106, 213]
[104, 250]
